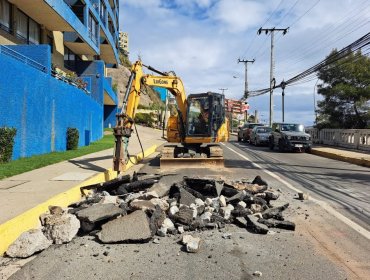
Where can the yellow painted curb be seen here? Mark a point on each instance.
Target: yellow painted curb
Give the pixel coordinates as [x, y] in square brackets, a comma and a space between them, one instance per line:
[12, 229]
[358, 161]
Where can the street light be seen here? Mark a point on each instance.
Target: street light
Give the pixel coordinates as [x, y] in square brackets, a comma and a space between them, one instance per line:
[283, 85]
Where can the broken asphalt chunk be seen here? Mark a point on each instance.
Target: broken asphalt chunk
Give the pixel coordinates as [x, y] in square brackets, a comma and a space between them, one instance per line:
[278, 224]
[131, 228]
[275, 213]
[255, 226]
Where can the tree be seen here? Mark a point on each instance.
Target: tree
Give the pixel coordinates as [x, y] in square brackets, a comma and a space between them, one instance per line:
[346, 91]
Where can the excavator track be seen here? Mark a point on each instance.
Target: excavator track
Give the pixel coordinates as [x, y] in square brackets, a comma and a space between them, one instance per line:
[169, 160]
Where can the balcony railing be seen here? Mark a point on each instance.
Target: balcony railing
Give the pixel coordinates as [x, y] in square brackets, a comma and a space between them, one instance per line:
[16, 55]
[78, 82]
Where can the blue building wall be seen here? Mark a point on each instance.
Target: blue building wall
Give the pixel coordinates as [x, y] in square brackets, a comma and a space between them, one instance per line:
[38, 53]
[94, 71]
[162, 92]
[110, 115]
[41, 108]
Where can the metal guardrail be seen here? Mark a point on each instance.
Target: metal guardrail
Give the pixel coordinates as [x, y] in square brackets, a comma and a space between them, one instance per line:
[18, 56]
[357, 139]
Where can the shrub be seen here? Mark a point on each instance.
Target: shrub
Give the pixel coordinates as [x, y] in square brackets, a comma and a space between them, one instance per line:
[72, 138]
[7, 135]
[144, 119]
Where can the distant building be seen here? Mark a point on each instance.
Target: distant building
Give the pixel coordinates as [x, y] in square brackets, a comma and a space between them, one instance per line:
[123, 42]
[53, 57]
[234, 106]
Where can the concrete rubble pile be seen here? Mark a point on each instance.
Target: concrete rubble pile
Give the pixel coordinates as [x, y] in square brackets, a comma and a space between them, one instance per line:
[138, 208]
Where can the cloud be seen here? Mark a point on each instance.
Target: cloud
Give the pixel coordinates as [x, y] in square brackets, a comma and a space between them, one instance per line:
[238, 15]
[201, 41]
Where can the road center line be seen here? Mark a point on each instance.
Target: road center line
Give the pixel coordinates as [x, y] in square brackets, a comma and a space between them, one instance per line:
[323, 204]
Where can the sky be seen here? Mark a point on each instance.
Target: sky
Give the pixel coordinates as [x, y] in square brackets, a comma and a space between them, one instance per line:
[202, 40]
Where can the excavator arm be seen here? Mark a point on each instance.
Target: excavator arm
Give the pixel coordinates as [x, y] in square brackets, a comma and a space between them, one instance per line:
[125, 119]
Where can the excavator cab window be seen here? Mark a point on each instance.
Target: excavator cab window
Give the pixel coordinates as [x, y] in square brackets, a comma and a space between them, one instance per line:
[198, 116]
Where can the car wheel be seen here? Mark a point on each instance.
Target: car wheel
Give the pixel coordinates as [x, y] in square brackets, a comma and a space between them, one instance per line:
[271, 144]
[281, 146]
[308, 150]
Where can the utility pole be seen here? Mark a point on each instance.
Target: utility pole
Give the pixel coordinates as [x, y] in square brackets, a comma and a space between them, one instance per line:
[272, 63]
[246, 75]
[223, 90]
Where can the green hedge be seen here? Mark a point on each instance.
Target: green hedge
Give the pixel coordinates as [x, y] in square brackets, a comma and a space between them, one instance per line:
[7, 135]
[144, 119]
[72, 138]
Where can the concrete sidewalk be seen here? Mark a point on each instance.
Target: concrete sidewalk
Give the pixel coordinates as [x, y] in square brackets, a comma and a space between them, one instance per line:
[23, 197]
[351, 156]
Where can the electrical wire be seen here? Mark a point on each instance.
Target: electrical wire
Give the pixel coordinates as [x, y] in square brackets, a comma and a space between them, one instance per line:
[363, 42]
[266, 21]
[330, 33]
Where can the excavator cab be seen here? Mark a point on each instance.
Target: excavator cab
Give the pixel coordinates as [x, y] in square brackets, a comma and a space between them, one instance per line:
[204, 126]
[206, 114]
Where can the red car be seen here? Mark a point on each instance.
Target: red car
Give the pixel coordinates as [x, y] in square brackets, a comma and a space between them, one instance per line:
[244, 133]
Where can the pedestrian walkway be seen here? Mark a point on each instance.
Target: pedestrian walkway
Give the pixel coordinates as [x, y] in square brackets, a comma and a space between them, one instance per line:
[23, 197]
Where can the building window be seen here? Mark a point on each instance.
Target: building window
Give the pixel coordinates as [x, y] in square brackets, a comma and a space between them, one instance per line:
[34, 32]
[28, 29]
[103, 10]
[22, 25]
[70, 59]
[93, 28]
[5, 15]
[50, 42]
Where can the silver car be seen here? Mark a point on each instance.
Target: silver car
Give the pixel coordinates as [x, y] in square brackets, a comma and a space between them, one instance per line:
[260, 135]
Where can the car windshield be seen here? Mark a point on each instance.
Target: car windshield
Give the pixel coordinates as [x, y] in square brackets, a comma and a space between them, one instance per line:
[292, 127]
[254, 125]
[263, 130]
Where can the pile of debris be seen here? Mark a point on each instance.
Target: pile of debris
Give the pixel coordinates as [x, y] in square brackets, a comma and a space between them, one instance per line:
[135, 209]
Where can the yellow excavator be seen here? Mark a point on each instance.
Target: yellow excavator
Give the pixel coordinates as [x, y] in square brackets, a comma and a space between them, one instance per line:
[193, 134]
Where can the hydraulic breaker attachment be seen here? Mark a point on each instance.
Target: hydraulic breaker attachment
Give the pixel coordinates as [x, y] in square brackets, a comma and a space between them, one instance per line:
[122, 132]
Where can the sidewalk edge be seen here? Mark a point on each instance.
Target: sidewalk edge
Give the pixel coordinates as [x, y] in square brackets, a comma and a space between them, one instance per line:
[358, 161]
[12, 229]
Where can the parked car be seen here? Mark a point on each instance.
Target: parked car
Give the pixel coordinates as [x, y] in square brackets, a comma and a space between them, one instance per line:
[245, 131]
[260, 135]
[289, 137]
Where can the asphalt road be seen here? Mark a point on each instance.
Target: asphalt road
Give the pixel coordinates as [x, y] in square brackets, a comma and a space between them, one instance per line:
[345, 186]
[322, 247]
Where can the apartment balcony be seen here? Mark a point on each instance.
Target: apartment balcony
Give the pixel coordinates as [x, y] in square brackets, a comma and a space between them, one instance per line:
[59, 15]
[108, 49]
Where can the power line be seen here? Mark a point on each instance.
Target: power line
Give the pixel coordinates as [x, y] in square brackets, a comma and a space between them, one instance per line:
[255, 36]
[363, 42]
[331, 33]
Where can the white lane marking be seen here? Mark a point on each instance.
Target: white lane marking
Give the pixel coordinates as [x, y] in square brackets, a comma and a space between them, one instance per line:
[323, 204]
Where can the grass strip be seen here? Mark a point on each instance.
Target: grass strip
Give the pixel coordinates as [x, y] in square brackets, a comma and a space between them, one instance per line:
[22, 165]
